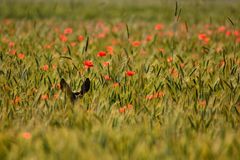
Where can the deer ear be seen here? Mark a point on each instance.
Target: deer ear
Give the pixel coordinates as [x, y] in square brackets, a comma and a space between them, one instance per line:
[63, 84]
[85, 87]
[66, 87]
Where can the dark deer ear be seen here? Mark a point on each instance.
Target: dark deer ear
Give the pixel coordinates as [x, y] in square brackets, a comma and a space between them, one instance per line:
[63, 84]
[85, 87]
[66, 87]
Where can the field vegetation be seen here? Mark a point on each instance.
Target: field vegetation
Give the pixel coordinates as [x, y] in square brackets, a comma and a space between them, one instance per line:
[165, 79]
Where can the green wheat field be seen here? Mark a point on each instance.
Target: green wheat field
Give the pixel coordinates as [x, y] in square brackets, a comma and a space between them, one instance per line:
[165, 79]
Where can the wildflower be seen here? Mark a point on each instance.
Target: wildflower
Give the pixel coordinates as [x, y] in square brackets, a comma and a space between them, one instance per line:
[174, 72]
[130, 73]
[107, 78]
[68, 31]
[55, 96]
[12, 52]
[161, 50]
[221, 29]
[202, 103]
[21, 56]
[105, 64]
[236, 33]
[228, 33]
[149, 97]
[44, 97]
[221, 63]
[65, 49]
[101, 54]
[63, 38]
[129, 106]
[109, 49]
[17, 100]
[122, 109]
[88, 64]
[159, 26]
[80, 38]
[45, 67]
[48, 46]
[101, 35]
[182, 65]
[11, 44]
[203, 37]
[54, 66]
[26, 135]
[116, 84]
[170, 59]
[136, 43]
[73, 44]
[58, 86]
[149, 38]
[155, 95]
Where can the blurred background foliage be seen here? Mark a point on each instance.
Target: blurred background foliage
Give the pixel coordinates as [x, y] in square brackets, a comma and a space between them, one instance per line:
[193, 11]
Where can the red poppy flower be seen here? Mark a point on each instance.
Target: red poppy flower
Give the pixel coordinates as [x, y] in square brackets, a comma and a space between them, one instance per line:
[48, 46]
[129, 106]
[68, 31]
[88, 64]
[203, 37]
[155, 95]
[73, 44]
[63, 38]
[11, 44]
[221, 29]
[236, 33]
[107, 78]
[21, 56]
[116, 84]
[17, 99]
[109, 49]
[45, 67]
[130, 73]
[105, 64]
[12, 52]
[169, 59]
[101, 54]
[101, 35]
[161, 50]
[80, 38]
[202, 103]
[26, 135]
[136, 43]
[159, 26]
[122, 109]
[44, 97]
[54, 66]
[228, 33]
[149, 38]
